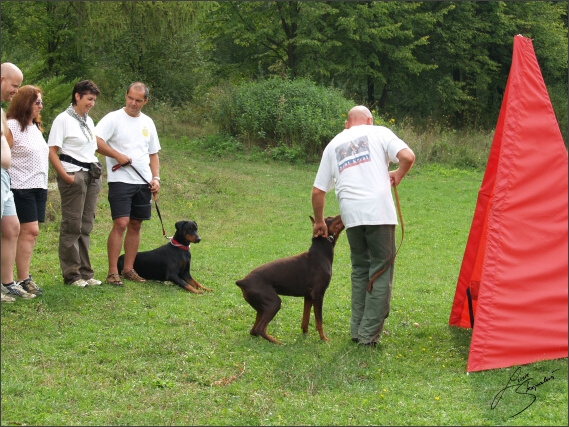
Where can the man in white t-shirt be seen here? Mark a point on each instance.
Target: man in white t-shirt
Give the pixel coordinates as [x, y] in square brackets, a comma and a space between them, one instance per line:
[129, 139]
[356, 163]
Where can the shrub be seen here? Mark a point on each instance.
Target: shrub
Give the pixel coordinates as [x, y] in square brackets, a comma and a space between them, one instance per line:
[295, 116]
[217, 145]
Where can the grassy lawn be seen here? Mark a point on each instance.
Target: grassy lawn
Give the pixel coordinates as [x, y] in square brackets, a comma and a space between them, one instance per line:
[153, 354]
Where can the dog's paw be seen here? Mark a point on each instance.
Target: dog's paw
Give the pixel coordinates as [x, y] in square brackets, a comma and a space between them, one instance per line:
[191, 289]
[197, 285]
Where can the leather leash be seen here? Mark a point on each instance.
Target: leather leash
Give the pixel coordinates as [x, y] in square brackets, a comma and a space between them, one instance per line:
[380, 272]
[117, 166]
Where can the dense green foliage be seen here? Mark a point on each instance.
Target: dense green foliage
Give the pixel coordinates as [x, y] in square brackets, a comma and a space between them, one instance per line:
[443, 61]
[424, 62]
[296, 117]
[153, 354]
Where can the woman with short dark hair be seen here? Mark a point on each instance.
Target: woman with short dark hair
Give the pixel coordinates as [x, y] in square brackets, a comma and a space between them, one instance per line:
[72, 145]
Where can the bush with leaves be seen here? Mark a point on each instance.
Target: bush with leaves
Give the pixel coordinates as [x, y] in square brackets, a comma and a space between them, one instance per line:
[292, 116]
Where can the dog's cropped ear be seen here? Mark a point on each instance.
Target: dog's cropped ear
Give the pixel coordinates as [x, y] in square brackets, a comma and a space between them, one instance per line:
[180, 225]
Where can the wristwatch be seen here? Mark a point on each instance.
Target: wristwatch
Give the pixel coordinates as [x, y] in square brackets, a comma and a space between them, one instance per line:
[156, 177]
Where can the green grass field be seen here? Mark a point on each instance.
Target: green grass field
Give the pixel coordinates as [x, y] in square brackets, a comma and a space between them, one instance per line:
[153, 354]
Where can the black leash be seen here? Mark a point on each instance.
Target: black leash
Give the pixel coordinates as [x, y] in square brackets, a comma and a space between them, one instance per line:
[117, 166]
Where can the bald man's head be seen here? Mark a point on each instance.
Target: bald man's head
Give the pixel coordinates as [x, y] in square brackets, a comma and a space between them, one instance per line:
[11, 80]
[359, 115]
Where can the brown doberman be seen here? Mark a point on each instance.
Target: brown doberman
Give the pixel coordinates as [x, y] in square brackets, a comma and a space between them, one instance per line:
[304, 275]
[170, 262]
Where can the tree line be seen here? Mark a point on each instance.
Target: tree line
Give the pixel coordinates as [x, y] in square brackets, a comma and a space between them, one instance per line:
[435, 61]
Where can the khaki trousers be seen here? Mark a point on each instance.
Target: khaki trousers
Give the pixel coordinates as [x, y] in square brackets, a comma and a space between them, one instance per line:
[78, 206]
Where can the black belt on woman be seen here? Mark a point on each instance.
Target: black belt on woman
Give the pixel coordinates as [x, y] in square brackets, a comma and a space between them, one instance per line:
[69, 159]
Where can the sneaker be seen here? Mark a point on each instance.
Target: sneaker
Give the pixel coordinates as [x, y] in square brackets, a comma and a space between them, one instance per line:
[16, 289]
[4, 290]
[94, 282]
[30, 286]
[79, 282]
[7, 298]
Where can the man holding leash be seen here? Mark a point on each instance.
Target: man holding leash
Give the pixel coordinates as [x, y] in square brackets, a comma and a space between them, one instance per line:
[129, 139]
[356, 163]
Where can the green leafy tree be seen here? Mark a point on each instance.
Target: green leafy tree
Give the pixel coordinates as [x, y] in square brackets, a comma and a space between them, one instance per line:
[379, 43]
[446, 62]
[48, 33]
[254, 37]
[441, 61]
[472, 51]
[155, 42]
[113, 43]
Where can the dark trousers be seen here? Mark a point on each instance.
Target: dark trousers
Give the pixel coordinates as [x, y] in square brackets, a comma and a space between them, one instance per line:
[371, 249]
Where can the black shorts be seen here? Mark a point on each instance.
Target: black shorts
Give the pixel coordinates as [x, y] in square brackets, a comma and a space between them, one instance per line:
[130, 200]
[30, 204]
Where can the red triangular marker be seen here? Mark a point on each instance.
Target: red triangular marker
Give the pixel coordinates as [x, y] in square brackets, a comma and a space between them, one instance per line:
[515, 260]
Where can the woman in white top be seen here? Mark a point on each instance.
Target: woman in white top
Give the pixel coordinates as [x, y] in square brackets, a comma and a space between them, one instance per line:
[72, 146]
[28, 176]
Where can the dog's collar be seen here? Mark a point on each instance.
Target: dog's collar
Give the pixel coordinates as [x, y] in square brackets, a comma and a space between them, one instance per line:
[330, 238]
[178, 245]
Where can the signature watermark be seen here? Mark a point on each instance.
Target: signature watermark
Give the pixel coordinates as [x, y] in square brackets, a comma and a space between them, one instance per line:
[524, 385]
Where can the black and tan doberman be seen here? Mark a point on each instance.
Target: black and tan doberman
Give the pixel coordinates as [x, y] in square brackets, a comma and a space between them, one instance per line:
[170, 262]
[304, 275]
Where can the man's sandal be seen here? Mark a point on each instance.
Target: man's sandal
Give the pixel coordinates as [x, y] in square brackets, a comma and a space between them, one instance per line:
[132, 276]
[114, 279]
